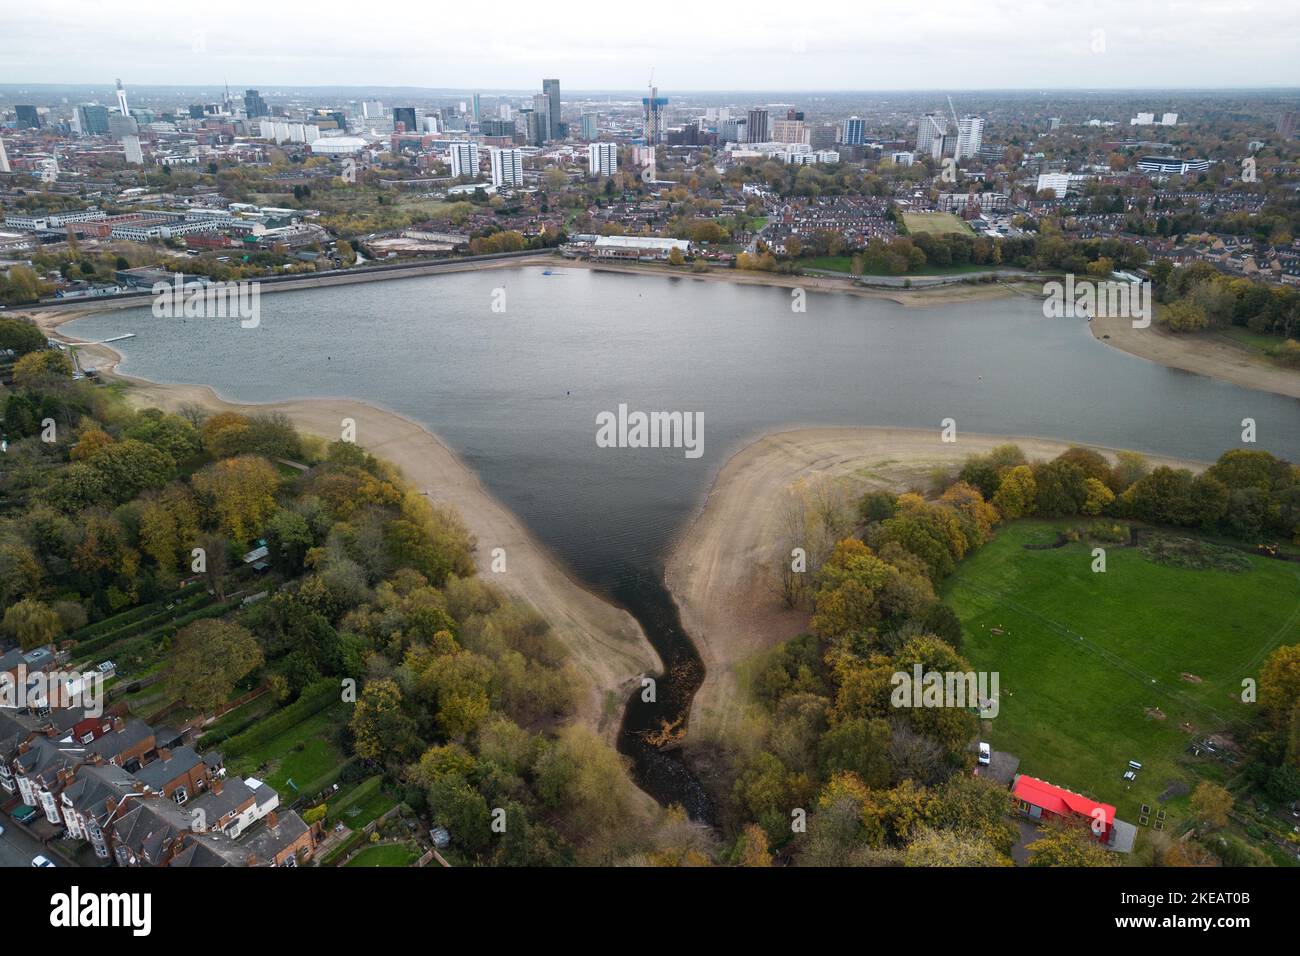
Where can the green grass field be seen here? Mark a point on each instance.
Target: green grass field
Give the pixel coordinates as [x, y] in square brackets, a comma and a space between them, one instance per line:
[302, 753]
[1088, 662]
[938, 223]
[386, 854]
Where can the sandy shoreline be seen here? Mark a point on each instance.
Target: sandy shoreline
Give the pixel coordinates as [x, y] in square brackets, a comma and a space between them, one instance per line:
[730, 607]
[605, 642]
[1199, 354]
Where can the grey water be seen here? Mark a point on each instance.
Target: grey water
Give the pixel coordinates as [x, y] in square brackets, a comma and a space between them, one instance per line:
[516, 394]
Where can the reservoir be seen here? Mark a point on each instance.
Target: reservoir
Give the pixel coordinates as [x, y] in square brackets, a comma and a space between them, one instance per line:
[511, 369]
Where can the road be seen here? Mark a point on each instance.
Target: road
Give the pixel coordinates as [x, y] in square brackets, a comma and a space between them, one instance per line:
[16, 847]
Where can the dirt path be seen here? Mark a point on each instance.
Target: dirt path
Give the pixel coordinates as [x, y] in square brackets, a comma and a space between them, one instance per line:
[1198, 353]
[729, 604]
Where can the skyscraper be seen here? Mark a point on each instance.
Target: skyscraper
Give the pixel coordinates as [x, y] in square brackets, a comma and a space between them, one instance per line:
[478, 110]
[28, 118]
[542, 118]
[603, 158]
[590, 125]
[927, 128]
[653, 108]
[756, 128]
[507, 167]
[254, 105]
[855, 131]
[406, 116]
[970, 136]
[551, 90]
[464, 159]
[93, 119]
[121, 100]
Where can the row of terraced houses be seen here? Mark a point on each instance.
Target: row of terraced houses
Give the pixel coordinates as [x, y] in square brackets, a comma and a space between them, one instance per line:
[140, 796]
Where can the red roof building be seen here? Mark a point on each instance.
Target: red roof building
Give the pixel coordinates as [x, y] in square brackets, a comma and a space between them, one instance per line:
[1042, 800]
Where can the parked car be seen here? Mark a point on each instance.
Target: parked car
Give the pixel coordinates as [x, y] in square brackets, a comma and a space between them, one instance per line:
[41, 861]
[986, 754]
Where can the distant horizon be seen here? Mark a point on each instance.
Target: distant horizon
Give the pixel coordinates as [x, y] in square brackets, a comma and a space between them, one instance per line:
[940, 45]
[8, 86]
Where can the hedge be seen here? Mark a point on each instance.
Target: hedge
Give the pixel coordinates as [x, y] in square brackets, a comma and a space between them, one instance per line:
[340, 852]
[314, 698]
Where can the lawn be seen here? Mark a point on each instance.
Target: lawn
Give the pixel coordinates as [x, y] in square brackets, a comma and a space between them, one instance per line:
[1255, 341]
[386, 854]
[1092, 665]
[938, 223]
[361, 804]
[303, 753]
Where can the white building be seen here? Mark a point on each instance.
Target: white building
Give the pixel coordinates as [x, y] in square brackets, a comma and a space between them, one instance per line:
[970, 136]
[1169, 119]
[603, 158]
[507, 167]
[4, 158]
[1059, 183]
[1143, 119]
[339, 145]
[464, 159]
[930, 126]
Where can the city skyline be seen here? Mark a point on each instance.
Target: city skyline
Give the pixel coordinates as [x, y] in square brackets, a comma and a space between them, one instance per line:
[1110, 46]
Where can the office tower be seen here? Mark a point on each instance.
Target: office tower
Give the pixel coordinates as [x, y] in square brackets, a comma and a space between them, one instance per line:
[372, 109]
[464, 159]
[603, 158]
[542, 119]
[551, 90]
[1288, 123]
[927, 128]
[1169, 119]
[731, 131]
[254, 105]
[855, 131]
[756, 129]
[195, 111]
[406, 116]
[652, 108]
[503, 112]
[121, 100]
[823, 136]
[119, 125]
[496, 127]
[590, 125]
[4, 159]
[970, 136]
[789, 131]
[507, 167]
[794, 114]
[93, 119]
[1054, 123]
[28, 118]
[478, 110]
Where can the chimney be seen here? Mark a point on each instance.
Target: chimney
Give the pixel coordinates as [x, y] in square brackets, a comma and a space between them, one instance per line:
[272, 818]
[119, 724]
[164, 754]
[252, 859]
[216, 784]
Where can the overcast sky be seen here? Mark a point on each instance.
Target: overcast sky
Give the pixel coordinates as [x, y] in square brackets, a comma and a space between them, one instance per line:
[699, 45]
